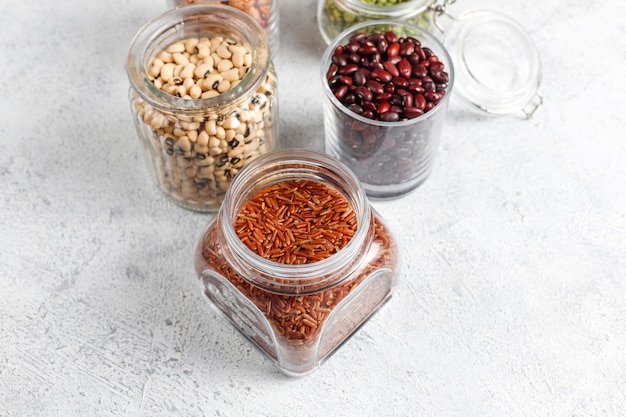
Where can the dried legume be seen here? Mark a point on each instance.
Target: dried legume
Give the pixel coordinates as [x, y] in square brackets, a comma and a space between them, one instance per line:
[338, 15]
[389, 78]
[196, 156]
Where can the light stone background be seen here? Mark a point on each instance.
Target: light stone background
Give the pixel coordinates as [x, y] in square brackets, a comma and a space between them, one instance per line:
[512, 297]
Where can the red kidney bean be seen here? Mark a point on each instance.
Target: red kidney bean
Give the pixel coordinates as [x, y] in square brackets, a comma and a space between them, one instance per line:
[360, 76]
[369, 105]
[391, 69]
[393, 49]
[367, 50]
[344, 79]
[364, 94]
[404, 68]
[400, 82]
[383, 107]
[420, 101]
[380, 75]
[374, 86]
[332, 71]
[391, 37]
[341, 92]
[419, 71]
[352, 47]
[407, 48]
[348, 69]
[386, 77]
[413, 112]
[390, 116]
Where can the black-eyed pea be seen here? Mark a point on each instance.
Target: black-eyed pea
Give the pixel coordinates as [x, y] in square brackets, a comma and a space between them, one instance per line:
[211, 127]
[231, 74]
[244, 115]
[166, 57]
[225, 65]
[188, 71]
[191, 171]
[203, 149]
[188, 82]
[214, 142]
[195, 91]
[204, 50]
[231, 122]
[184, 144]
[223, 51]
[180, 59]
[190, 45]
[167, 72]
[214, 151]
[220, 132]
[242, 72]
[247, 60]
[203, 137]
[237, 59]
[199, 162]
[213, 81]
[183, 162]
[210, 94]
[203, 70]
[223, 86]
[158, 83]
[206, 172]
[193, 136]
[179, 131]
[216, 41]
[176, 47]
[180, 91]
[216, 58]
[230, 134]
[194, 59]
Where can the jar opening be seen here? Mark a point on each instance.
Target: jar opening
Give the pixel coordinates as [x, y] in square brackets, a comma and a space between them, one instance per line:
[286, 166]
[197, 21]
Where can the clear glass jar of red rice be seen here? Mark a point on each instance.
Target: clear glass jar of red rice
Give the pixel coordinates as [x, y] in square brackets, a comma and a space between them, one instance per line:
[296, 257]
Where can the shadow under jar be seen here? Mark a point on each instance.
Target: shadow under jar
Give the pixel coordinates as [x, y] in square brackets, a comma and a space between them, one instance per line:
[296, 258]
[203, 100]
[387, 85]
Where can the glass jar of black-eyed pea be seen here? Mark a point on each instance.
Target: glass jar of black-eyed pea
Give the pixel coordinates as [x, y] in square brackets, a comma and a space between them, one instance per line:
[335, 16]
[203, 99]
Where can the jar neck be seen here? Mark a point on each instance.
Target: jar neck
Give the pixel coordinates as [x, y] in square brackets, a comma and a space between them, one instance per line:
[289, 165]
[401, 10]
[204, 20]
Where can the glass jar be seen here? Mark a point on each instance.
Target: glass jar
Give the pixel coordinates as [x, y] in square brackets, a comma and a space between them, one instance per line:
[335, 16]
[196, 146]
[297, 314]
[391, 158]
[265, 12]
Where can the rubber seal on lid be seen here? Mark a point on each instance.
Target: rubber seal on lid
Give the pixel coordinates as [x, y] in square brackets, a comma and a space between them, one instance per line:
[498, 70]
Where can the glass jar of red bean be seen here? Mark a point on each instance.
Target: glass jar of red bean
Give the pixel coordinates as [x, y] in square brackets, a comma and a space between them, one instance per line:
[335, 16]
[203, 99]
[387, 85]
[296, 258]
[265, 12]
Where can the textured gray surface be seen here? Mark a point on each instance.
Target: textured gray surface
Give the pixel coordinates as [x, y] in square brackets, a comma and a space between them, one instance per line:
[512, 299]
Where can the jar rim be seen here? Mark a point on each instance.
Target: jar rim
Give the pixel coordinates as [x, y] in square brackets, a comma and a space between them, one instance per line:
[180, 23]
[426, 36]
[284, 165]
[405, 9]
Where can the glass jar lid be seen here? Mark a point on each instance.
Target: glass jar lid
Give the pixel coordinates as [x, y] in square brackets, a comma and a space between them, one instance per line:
[497, 66]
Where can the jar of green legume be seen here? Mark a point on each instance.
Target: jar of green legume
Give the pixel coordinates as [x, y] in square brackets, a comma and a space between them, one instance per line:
[334, 16]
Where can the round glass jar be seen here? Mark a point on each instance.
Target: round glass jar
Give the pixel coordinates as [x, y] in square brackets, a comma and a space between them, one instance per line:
[297, 314]
[391, 158]
[196, 146]
[263, 11]
[335, 16]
